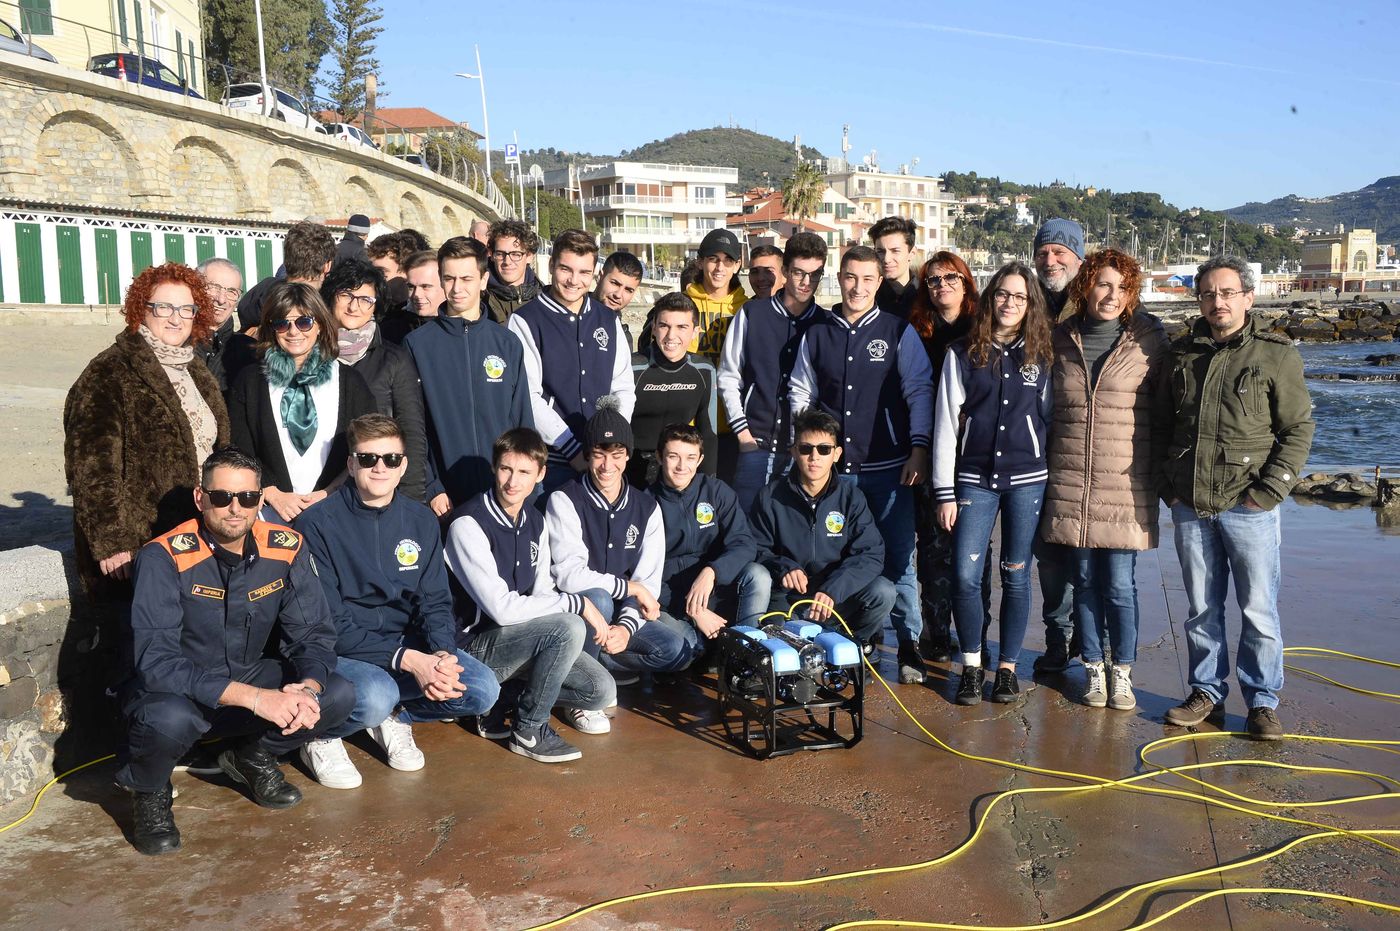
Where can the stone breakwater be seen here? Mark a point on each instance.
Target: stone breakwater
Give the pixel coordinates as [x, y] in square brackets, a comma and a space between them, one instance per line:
[1309, 320]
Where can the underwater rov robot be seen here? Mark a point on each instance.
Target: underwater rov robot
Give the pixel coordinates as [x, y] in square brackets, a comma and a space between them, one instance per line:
[792, 682]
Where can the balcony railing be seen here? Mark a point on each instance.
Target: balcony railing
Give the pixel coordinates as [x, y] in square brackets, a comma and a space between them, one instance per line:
[673, 204]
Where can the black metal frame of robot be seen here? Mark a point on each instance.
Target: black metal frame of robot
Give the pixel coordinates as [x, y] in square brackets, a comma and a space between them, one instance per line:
[782, 679]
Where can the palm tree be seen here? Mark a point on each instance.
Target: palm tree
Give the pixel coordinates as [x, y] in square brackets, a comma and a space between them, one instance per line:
[803, 192]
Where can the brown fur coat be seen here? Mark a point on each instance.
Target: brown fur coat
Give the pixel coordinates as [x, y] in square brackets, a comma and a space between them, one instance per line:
[129, 454]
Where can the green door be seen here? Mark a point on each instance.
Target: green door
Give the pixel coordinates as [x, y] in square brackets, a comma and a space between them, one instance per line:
[109, 290]
[70, 265]
[31, 263]
[262, 251]
[203, 248]
[233, 249]
[141, 255]
[174, 247]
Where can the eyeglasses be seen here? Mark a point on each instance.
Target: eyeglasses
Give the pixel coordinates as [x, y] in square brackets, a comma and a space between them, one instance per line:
[359, 301]
[509, 256]
[369, 460]
[1224, 294]
[216, 289]
[821, 449]
[798, 274]
[304, 323]
[1006, 297]
[161, 310]
[935, 281]
[222, 499]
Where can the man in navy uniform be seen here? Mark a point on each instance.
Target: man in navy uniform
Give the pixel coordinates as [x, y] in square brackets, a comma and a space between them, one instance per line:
[208, 596]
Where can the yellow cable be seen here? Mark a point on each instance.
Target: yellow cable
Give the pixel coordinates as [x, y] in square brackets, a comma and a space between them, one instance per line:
[49, 785]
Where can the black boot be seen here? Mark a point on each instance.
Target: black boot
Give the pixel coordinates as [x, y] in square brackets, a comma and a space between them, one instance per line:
[153, 830]
[936, 642]
[254, 767]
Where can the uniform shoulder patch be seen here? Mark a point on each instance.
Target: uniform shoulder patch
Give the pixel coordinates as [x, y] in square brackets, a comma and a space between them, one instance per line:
[184, 546]
[276, 541]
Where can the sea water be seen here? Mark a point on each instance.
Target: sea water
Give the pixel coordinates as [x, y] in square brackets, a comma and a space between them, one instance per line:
[1358, 423]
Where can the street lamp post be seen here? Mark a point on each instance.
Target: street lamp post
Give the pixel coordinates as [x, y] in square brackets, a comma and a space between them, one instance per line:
[485, 119]
[269, 105]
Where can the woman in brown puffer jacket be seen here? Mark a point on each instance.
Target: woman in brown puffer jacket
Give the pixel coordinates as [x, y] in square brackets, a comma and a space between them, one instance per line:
[1101, 496]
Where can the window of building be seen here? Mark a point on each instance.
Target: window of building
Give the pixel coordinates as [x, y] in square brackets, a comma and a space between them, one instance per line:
[36, 17]
[704, 223]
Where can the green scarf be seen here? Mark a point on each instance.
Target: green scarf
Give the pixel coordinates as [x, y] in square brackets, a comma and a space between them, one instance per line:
[298, 409]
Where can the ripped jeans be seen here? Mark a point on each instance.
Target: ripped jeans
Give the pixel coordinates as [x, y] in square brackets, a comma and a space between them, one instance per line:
[978, 508]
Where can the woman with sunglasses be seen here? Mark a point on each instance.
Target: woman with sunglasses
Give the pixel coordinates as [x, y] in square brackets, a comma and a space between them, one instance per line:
[355, 291]
[291, 411]
[137, 425]
[990, 426]
[943, 307]
[1102, 495]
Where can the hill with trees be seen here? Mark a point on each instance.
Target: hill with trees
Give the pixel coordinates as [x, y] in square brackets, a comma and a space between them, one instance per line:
[1375, 206]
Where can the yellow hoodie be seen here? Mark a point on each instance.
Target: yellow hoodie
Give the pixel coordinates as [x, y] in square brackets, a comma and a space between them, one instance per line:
[715, 316]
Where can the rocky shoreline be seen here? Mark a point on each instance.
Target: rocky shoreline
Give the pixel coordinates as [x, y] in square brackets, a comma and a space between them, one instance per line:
[1351, 488]
[1310, 320]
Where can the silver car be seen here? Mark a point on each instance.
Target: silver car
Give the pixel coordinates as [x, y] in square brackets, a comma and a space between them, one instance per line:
[279, 104]
[11, 40]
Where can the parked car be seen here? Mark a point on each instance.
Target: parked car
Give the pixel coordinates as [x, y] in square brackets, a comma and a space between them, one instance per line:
[351, 133]
[126, 66]
[278, 104]
[12, 40]
[413, 158]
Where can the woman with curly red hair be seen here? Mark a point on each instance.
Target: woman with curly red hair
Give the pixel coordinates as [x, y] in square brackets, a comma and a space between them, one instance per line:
[1101, 497]
[138, 423]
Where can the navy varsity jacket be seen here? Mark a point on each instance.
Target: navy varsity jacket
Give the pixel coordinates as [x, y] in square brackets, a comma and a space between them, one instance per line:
[198, 625]
[832, 537]
[874, 377]
[600, 544]
[572, 360]
[474, 389]
[383, 575]
[504, 564]
[704, 527]
[992, 421]
[755, 367]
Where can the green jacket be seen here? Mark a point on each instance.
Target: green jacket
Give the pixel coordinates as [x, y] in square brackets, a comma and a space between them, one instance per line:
[1241, 419]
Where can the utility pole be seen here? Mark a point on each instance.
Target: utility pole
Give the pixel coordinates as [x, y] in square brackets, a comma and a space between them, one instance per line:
[269, 102]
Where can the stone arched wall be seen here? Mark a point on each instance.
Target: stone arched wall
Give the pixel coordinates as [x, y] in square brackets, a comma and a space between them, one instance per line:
[359, 196]
[412, 212]
[292, 192]
[451, 224]
[86, 159]
[206, 176]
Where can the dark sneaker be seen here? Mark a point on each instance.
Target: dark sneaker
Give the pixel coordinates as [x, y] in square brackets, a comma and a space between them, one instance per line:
[1198, 707]
[1056, 659]
[543, 744]
[1263, 724]
[1005, 688]
[494, 724]
[970, 686]
[153, 823]
[255, 768]
[911, 666]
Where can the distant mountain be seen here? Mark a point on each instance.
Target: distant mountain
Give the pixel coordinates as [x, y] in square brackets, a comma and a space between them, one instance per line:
[752, 153]
[1376, 206]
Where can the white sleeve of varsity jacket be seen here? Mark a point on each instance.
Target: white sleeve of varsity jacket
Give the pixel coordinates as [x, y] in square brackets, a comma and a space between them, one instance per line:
[731, 363]
[951, 394]
[916, 382]
[570, 554]
[624, 383]
[469, 557]
[547, 420]
[649, 564]
[802, 387]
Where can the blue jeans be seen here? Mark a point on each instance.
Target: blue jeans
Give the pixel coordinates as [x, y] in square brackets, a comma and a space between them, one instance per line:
[864, 612]
[978, 508]
[663, 645]
[1105, 603]
[1242, 544]
[1053, 566]
[541, 664]
[755, 469]
[892, 506]
[378, 691]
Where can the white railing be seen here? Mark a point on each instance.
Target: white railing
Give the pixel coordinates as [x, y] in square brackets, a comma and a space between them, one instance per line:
[679, 205]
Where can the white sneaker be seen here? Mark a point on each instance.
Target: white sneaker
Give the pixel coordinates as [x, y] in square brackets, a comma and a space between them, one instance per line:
[589, 722]
[397, 740]
[1122, 698]
[330, 764]
[1096, 687]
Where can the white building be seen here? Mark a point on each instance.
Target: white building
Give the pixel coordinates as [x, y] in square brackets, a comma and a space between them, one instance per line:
[655, 211]
[884, 194]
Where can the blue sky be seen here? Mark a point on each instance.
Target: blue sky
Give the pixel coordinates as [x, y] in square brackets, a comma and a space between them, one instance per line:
[1210, 104]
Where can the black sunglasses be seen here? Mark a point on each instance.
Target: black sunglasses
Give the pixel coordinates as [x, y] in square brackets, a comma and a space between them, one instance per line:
[821, 449]
[222, 499]
[303, 323]
[367, 460]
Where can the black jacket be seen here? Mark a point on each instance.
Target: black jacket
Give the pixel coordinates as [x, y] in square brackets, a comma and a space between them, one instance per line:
[253, 428]
[393, 380]
[704, 528]
[213, 351]
[832, 537]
